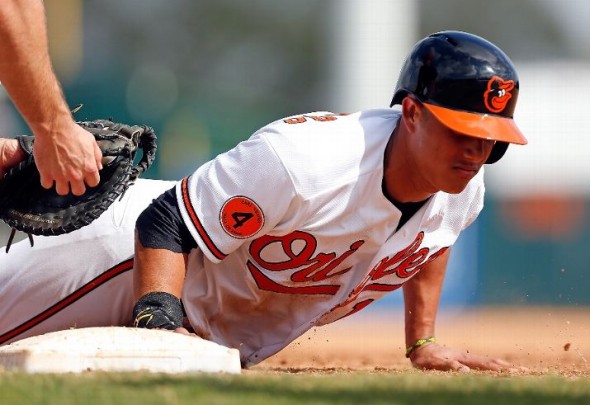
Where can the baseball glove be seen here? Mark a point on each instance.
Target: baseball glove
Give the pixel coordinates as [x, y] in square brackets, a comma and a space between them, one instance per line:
[28, 207]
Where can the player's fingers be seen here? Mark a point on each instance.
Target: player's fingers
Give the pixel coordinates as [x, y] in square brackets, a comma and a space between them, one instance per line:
[62, 187]
[78, 187]
[446, 365]
[98, 156]
[479, 363]
[459, 367]
[46, 182]
[92, 169]
[183, 331]
[92, 178]
[500, 363]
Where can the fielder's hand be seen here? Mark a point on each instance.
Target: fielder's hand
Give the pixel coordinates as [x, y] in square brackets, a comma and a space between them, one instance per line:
[10, 154]
[436, 357]
[70, 159]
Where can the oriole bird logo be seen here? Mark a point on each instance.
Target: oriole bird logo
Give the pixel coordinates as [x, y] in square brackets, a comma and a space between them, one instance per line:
[497, 94]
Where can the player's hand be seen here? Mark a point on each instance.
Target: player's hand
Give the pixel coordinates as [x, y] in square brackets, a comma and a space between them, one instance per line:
[185, 331]
[436, 357]
[68, 157]
[10, 155]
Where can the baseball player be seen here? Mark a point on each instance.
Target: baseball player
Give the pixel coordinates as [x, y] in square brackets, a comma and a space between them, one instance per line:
[310, 220]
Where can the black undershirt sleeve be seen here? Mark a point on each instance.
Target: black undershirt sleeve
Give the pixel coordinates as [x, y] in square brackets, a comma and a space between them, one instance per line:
[160, 225]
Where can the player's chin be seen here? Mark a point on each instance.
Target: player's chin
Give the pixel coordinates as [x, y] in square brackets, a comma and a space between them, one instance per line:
[453, 190]
[458, 183]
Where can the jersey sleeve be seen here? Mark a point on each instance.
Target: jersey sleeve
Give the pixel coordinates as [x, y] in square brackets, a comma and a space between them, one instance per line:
[238, 196]
[477, 201]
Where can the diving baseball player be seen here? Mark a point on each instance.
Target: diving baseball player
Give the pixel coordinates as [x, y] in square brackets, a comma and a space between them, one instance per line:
[308, 221]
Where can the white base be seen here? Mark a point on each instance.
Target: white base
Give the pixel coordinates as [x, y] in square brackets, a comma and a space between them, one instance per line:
[118, 349]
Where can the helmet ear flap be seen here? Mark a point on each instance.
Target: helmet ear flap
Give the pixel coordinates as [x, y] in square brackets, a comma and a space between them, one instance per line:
[497, 152]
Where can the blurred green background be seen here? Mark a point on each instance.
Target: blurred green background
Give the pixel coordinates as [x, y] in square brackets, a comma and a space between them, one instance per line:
[207, 73]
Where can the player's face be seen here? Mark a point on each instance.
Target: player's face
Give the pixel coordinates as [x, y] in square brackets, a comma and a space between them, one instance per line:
[448, 159]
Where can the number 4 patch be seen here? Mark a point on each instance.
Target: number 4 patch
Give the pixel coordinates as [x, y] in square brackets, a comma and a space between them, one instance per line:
[241, 217]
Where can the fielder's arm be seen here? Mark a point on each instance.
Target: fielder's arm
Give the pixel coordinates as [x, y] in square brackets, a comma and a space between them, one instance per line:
[64, 152]
[421, 299]
[10, 154]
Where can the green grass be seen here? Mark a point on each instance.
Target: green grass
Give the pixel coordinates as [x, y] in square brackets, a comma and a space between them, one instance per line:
[288, 388]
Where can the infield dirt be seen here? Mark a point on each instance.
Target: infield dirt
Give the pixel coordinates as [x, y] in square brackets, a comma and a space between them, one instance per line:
[543, 339]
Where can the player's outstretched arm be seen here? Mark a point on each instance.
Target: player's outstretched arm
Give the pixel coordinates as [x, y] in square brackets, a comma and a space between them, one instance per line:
[157, 281]
[65, 154]
[421, 299]
[162, 244]
[158, 270]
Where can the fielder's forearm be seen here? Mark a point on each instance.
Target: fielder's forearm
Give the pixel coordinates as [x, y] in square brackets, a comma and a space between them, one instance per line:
[25, 66]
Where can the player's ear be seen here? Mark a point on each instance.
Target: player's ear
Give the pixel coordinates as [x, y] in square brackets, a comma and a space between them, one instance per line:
[412, 111]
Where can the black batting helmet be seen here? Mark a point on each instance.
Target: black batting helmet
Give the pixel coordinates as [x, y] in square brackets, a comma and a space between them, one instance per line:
[468, 83]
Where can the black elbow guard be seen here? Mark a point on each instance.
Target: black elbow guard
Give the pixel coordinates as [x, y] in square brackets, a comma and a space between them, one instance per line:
[160, 225]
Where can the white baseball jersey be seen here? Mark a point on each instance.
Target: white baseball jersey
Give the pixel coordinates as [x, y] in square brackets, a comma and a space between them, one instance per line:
[293, 231]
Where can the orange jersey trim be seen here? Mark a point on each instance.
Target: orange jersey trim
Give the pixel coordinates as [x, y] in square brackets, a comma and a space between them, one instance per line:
[197, 223]
[69, 300]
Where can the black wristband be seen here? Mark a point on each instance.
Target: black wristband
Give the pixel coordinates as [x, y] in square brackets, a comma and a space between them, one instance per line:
[158, 310]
